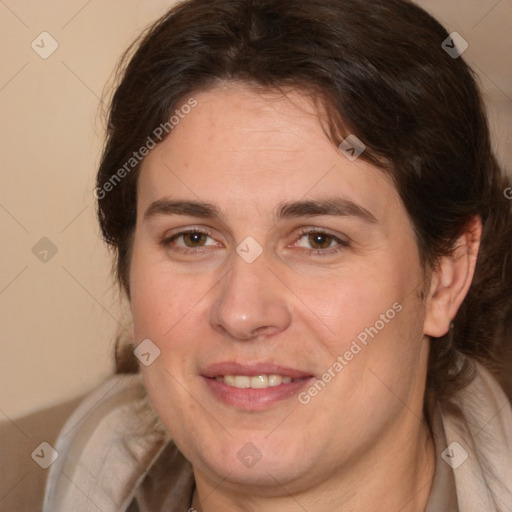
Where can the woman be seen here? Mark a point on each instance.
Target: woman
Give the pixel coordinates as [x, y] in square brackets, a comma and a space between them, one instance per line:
[312, 232]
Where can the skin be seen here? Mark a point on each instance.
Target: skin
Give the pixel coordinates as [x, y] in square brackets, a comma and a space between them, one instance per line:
[362, 442]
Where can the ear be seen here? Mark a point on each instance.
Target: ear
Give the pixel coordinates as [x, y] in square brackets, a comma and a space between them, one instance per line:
[451, 280]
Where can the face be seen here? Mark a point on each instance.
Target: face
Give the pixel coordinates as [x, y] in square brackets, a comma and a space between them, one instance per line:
[280, 282]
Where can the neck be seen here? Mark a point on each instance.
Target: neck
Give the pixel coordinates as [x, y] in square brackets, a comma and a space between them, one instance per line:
[396, 474]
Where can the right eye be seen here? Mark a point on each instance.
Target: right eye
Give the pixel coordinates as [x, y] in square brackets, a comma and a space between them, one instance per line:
[189, 241]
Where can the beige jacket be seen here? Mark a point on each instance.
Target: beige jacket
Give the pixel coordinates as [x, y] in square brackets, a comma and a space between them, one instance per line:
[113, 455]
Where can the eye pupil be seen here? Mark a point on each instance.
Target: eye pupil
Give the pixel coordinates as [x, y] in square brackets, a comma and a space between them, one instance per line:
[319, 240]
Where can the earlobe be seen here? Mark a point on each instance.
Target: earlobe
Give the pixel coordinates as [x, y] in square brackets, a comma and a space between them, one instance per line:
[451, 280]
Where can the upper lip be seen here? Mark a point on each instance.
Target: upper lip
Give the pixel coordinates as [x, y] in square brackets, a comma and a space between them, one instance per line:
[251, 370]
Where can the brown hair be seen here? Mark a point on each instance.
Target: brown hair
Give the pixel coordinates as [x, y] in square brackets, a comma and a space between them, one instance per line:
[379, 71]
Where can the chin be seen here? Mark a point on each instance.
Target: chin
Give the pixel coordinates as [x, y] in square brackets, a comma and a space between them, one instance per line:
[260, 463]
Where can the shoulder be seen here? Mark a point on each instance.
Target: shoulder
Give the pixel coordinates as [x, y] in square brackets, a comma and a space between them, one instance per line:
[104, 448]
[488, 408]
[481, 443]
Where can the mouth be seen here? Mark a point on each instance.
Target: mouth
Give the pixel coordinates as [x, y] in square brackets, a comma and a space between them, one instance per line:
[253, 387]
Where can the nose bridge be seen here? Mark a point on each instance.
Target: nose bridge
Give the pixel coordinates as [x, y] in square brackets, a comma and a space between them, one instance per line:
[250, 300]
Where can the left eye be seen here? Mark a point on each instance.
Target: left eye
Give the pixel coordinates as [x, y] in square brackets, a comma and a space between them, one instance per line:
[317, 240]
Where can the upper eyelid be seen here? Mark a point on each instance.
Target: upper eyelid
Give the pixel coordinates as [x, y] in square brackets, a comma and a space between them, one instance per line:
[184, 231]
[314, 229]
[169, 237]
[302, 231]
[338, 236]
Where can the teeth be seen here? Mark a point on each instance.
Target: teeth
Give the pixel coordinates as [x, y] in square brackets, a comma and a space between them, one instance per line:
[242, 381]
[258, 382]
[261, 381]
[274, 380]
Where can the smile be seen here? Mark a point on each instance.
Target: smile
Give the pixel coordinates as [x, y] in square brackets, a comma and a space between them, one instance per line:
[255, 382]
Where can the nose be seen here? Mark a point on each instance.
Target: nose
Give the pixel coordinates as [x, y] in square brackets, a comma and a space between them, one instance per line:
[250, 301]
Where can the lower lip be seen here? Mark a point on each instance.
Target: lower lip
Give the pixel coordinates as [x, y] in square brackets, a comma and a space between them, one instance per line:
[252, 399]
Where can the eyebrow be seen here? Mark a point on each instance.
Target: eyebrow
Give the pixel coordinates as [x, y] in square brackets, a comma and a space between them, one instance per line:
[190, 208]
[336, 206]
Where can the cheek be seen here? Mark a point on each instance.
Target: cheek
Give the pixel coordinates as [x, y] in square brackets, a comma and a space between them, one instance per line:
[160, 299]
[355, 300]
[374, 317]
[150, 302]
[171, 310]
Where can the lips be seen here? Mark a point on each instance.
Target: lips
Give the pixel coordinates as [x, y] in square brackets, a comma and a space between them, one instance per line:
[252, 370]
[253, 386]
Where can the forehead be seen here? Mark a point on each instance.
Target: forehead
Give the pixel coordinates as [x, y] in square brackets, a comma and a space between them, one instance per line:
[245, 148]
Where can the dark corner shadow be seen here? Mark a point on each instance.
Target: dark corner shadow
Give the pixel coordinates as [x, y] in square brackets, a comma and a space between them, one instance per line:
[23, 480]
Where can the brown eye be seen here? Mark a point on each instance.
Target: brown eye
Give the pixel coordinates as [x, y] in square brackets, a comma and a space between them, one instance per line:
[320, 243]
[194, 239]
[320, 240]
[189, 240]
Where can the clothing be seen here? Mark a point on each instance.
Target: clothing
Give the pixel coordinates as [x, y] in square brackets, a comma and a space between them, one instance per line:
[114, 455]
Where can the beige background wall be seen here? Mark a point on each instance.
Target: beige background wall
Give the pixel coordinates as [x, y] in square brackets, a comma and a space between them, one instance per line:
[58, 317]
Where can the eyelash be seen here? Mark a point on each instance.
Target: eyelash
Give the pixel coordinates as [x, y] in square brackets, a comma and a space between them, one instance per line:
[166, 242]
[341, 243]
